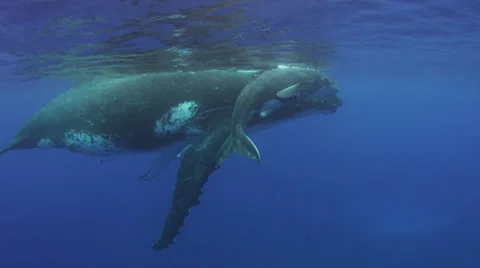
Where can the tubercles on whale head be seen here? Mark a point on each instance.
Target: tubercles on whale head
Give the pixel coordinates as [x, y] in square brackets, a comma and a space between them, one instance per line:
[176, 118]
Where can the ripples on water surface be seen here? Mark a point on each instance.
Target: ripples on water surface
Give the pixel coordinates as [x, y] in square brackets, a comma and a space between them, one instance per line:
[77, 39]
[145, 36]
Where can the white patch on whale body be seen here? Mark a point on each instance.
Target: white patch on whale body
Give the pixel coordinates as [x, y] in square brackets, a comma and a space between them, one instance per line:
[270, 106]
[45, 143]
[90, 143]
[176, 119]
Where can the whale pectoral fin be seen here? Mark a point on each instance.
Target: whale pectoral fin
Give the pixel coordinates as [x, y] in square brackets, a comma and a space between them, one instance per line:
[289, 92]
[182, 152]
[156, 168]
[161, 163]
[198, 162]
[186, 195]
[239, 142]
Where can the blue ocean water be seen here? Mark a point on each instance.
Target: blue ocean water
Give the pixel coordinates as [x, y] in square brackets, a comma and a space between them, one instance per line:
[390, 180]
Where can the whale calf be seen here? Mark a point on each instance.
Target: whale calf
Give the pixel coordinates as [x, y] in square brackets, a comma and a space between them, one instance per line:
[272, 89]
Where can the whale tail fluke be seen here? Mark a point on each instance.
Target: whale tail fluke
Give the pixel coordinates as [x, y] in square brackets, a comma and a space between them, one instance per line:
[239, 142]
[7, 148]
[12, 146]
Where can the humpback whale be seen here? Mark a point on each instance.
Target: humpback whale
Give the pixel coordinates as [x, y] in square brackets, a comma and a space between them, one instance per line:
[270, 90]
[151, 112]
[201, 159]
[136, 113]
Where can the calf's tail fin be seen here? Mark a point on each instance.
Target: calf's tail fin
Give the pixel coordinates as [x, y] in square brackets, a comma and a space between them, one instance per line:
[239, 142]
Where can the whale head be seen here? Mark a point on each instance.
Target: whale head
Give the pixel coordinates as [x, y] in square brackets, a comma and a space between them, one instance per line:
[299, 82]
[309, 84]
[325, 101]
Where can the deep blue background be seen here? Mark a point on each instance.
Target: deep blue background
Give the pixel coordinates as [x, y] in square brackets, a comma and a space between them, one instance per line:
[390, 180]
